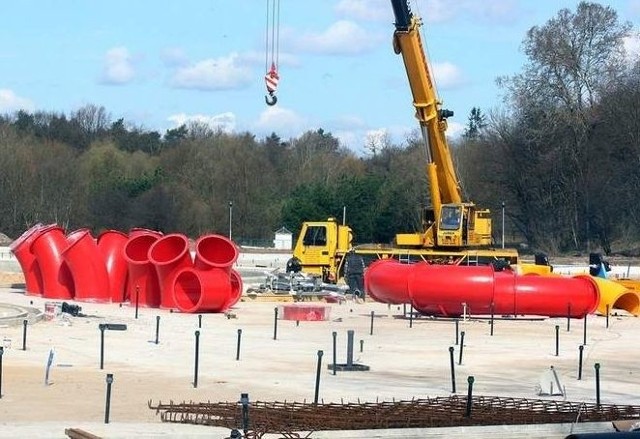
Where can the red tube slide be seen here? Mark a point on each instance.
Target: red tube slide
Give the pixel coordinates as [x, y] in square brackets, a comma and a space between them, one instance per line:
[57, 282]
[169, 255]
[387, 281]
[111, 245]
[142, 285]
[142, 231]
[236, 289]
[215, 251]
[202, 291]
[449, 289]
[21, 248]
[87, 266]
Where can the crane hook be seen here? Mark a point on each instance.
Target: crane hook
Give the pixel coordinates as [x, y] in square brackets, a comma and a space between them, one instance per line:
[271, 99]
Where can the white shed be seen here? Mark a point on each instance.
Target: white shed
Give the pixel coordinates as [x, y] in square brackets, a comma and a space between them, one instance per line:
[283, 239]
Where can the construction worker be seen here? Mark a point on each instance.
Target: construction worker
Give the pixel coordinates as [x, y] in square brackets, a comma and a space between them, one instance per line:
[354, 273]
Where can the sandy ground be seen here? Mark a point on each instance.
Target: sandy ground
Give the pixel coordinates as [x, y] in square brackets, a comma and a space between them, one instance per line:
[407, 359]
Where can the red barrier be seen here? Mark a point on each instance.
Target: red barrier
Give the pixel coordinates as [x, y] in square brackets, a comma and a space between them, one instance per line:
[57, 282]
[448, 289]
[201, 291]
[111, 245]
[215, 251]
[89, 272]
[169, 255]
[142, 276]
[21, 248]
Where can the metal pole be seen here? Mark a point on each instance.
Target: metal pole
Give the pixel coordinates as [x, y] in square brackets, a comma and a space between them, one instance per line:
[108, 402]
[315, 398]
[580, 349]
[557, 340]
[469, 396]
[597, 367]
[238, 347]
[350, 334]
[457, 331]
[244, 400]
[491, 319]
[157, 328]
[195, 371]
[607, 316]
[335, 334]
[453, 373]
[137, 299]
[275, 323]
[24, 334]
[371, 330]
[102, 328]
[503, 224]
[230, 217]
[568, 317]
[461, 347]
[411, 316]
[584, 341]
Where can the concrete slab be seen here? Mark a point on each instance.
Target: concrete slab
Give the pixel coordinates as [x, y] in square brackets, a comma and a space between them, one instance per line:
[406, 358]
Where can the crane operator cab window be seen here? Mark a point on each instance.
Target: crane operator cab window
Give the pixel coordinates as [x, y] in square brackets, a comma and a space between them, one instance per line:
[450, 218]
[315, 235]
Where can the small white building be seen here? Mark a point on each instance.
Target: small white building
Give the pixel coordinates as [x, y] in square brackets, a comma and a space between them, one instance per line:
[283, 239]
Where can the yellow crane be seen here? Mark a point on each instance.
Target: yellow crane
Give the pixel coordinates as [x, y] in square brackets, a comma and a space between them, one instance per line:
[454, 231]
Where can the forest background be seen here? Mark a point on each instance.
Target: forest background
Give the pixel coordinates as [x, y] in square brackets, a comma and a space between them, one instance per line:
[560, 157]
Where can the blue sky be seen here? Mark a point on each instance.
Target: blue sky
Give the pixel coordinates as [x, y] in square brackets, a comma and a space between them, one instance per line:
[159, 63]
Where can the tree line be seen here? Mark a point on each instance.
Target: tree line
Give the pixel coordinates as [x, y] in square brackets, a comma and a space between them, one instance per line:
[562, 153]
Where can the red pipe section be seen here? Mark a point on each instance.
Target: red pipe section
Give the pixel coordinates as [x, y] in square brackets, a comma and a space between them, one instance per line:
[21, 248]
[57, 282]
[236, 289]
[111, 245]
[143, 283]
[387, 283]
[169, 255]
[215, 251]
[202, 291]
[447, 289]
[87, 266]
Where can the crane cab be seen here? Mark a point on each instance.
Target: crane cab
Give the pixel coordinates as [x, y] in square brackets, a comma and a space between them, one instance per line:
[462, 225]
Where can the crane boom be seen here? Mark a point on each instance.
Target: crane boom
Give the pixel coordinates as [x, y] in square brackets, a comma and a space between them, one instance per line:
[433, 120]
[451, 222]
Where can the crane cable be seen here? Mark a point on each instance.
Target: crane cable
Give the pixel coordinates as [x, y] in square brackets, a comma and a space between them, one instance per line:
[272, 47]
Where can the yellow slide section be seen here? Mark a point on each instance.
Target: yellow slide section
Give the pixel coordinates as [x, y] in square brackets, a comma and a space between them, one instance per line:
[618, 296]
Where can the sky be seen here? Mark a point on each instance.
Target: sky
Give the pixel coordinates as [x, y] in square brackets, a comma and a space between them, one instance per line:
[161, 63]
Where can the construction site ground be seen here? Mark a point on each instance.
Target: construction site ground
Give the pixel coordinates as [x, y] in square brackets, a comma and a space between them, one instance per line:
[406, 358]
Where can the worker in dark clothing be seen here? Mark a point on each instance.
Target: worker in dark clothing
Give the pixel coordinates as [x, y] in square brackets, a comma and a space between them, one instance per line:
[354, 273]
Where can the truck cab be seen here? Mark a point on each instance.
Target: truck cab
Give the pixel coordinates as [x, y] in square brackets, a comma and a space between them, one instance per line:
[321, 246]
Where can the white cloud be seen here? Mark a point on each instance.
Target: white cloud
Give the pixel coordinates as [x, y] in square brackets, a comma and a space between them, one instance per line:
[341, 38]
[174, 57]
[10, 102]
[447, 75]
[224, 73]
[118, 66]
[455, 129]
[284, 122]
[632, 47]
[225, 121]
[369, 10]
